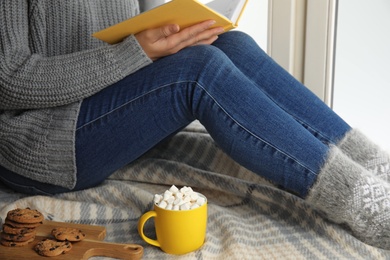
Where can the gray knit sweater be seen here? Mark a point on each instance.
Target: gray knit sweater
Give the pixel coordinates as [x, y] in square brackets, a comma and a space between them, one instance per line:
[49, 63]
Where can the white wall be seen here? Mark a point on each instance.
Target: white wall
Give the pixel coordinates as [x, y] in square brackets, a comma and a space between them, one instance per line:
[255, 21]
[362, 69]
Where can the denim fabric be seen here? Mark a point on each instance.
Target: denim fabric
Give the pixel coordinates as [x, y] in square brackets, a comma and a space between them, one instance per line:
[256, 112]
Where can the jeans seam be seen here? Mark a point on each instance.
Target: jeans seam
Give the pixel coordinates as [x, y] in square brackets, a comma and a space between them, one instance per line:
[299, 121]
[216, 102]
[251, 133]
[125, 104]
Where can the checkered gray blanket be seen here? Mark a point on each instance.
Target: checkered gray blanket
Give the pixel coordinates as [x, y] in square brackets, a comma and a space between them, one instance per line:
[248, 218]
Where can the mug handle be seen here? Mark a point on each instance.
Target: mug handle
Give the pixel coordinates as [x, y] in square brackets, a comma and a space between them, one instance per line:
[141, 224]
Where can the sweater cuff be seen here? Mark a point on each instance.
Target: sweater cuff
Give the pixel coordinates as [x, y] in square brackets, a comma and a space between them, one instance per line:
[130, 56]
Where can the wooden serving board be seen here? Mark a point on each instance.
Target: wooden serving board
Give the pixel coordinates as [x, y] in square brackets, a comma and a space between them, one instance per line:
[92, 245]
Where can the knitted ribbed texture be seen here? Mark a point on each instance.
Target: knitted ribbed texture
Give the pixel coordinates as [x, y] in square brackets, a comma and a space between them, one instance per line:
[368, 154]
[49, 62]
[348, 194]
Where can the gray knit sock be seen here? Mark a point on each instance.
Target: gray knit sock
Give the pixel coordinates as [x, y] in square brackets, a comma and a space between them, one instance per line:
[365, 152]
[349, 194]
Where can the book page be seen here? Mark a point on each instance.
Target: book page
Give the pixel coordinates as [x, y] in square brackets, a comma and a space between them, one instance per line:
[231, 9]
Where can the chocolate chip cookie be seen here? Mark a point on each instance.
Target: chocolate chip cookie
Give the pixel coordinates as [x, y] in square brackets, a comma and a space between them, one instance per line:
[15, 244]
[18, 238]
[19, 228]
[21, 225]
[68, 234]
[16, 231]
[27, 216]
[49, 247]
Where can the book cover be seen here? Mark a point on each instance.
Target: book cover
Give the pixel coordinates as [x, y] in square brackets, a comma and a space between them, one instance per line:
[182, 12]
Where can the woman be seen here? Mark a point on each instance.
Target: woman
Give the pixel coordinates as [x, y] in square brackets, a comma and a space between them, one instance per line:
[74, 109]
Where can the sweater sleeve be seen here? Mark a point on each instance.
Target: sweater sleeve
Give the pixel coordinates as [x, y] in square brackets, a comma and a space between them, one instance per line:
[30, 81]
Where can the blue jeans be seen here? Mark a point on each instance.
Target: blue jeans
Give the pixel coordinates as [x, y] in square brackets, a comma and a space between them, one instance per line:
[255, 111]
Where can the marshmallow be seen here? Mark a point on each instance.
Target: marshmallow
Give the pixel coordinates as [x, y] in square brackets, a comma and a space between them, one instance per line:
[200, 201]
[194, 206]
[167, 194]
[185, 206]
[157, 198]
[184, 190]
[179, 199]
[194, 196]
[163, 204]
[173, 189]
[170, 200]
[186, 199]
[179, 195]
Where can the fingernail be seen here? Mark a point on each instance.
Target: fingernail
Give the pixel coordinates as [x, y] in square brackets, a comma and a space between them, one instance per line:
[221, 29]
[212, 22]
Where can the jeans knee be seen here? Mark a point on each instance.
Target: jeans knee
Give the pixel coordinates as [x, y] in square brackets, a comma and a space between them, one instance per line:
[205, 57]
[239, 41]
[237, 36]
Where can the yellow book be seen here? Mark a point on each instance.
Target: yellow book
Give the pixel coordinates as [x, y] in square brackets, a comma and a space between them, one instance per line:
[185, 13]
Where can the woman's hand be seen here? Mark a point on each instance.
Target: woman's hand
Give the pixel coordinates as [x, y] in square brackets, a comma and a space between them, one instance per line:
[169, 39]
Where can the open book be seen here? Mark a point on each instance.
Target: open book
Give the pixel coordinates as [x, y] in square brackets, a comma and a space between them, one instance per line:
[185, 13]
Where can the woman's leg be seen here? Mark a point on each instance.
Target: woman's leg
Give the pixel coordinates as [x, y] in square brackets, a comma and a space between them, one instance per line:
[197, 83]
[203, 83]
[302, 104]
[120, 123]
[288, 93]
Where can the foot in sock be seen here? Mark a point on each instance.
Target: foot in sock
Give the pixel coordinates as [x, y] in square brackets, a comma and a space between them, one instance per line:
[365, 152]
[349, 194]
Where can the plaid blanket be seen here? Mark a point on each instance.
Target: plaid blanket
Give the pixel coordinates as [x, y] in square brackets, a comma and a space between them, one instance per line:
[248, 217]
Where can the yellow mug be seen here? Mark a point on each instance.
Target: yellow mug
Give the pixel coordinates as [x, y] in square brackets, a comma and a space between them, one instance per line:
[178, 231]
